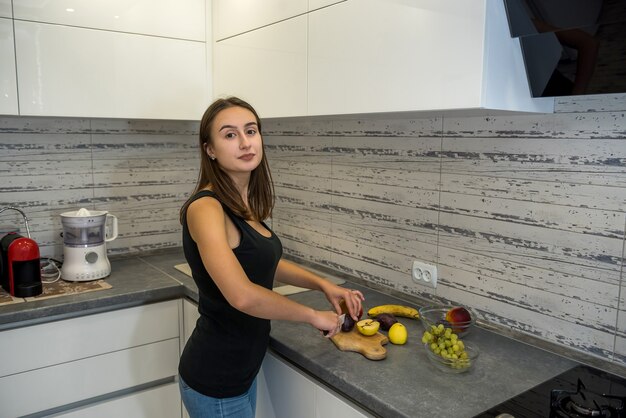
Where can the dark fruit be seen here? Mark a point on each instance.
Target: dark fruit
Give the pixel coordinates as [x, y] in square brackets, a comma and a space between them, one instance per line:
[386, 320]
[348, 324]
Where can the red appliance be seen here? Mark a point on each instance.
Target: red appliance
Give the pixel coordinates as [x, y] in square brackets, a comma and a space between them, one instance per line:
[20, 271]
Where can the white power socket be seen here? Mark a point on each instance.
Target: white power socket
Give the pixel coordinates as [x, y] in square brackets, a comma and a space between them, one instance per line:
[424, 273]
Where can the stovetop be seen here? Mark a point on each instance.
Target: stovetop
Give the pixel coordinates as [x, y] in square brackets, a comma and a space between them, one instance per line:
[582, 391]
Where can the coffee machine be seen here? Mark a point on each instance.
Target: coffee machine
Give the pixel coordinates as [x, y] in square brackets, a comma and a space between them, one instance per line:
[84, 244]
[20, 271]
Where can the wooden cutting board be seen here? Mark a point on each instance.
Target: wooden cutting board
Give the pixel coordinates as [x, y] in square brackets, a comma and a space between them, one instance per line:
[370, 346]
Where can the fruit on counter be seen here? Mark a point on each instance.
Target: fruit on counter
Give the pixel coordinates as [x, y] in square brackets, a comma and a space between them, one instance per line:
[459, 318]
[396, 310]
[368, 326]
[348, 324]
[344, 309]
[386, 320]
[398, 334]
[446, 344]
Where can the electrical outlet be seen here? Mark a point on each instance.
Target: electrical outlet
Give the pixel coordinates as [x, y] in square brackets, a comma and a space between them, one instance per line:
[424, 273]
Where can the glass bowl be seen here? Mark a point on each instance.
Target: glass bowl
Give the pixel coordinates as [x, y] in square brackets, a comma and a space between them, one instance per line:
[449, 365]
[435, 315]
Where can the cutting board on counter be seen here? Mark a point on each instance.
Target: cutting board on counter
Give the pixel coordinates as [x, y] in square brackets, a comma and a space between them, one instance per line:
[370, 346]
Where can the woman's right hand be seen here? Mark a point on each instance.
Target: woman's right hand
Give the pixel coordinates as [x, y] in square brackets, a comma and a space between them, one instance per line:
[327, 321]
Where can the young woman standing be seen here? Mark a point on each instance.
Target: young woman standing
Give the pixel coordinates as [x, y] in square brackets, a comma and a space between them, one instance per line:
[235, 258]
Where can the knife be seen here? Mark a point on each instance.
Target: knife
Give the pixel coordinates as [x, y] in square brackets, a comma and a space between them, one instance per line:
[342, 318]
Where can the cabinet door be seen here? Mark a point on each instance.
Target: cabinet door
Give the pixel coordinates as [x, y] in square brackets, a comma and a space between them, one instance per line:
[76, 72]
[266, 67]
[387, 55]
[160, 402]
[233, 17]
[87, 378]
[8, 82]
[5, 8]
[329, 405]
[49, 344]
[169, 18]
[318, 4]
[289, 392]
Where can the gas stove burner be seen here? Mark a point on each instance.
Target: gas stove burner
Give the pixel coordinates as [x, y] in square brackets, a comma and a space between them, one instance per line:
[585, 403]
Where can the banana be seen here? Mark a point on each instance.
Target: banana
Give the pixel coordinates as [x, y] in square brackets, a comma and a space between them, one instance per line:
[397, 310]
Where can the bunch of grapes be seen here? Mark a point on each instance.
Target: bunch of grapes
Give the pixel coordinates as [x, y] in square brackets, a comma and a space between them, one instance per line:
[446, 344]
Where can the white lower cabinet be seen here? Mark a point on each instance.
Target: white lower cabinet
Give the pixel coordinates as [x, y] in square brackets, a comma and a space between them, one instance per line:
[160, 402]
[284, 391]
[89, 366]
[288, 392]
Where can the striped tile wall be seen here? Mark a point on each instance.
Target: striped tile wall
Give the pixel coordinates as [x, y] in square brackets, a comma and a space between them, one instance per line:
[524, 215]
[139, 171]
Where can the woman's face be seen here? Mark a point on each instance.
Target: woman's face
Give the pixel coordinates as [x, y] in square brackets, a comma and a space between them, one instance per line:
[235, 142]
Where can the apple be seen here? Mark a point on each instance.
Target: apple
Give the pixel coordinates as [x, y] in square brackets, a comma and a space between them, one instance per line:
[460, 317]
[367, 327]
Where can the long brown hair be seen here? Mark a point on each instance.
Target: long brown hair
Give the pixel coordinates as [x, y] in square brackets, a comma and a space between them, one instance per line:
[260, 189]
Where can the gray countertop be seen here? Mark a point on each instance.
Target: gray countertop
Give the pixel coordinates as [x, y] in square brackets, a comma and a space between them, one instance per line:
[404, 384]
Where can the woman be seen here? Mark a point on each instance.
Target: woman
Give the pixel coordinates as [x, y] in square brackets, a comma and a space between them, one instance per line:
[235, 258]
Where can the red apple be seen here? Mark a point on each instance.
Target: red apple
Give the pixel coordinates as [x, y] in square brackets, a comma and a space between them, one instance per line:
[458, 316]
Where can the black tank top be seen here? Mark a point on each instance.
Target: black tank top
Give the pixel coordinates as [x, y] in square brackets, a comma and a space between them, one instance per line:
[225, 351]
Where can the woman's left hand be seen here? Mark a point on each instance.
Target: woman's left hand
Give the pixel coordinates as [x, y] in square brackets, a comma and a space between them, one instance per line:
[353, 298]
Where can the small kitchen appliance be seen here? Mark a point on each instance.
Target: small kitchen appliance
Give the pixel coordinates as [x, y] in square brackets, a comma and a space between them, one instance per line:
[84, 244]
[20, 272]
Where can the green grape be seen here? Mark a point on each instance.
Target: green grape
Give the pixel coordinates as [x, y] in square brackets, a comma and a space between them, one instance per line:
[446, 344]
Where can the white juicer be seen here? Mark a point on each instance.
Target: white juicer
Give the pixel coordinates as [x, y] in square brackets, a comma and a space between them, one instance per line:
[84, 244]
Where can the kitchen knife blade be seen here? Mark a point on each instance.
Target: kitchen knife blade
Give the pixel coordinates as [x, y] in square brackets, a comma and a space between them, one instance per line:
[342, 318]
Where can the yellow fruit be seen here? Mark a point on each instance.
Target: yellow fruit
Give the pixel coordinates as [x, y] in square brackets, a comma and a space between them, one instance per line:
[397, 310]
[368, 326]
[398, 334]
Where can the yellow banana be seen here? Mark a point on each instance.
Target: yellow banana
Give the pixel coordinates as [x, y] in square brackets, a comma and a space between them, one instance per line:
[396, 310]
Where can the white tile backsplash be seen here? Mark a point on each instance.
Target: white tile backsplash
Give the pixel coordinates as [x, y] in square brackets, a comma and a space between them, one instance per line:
[139, 170]
[524, 215]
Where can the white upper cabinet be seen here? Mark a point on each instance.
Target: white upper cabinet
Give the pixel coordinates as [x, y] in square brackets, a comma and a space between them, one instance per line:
[318, 4]
[5, 8]
[370, 56]
[232, 17]
[168, 18]
[8, 81]
[266, 67]
[70, 71]
[380, 56]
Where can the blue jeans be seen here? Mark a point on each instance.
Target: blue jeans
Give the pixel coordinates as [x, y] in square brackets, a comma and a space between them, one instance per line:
[202, 406]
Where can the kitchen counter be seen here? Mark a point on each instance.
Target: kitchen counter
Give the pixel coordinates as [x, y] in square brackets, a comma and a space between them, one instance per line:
[404, 384]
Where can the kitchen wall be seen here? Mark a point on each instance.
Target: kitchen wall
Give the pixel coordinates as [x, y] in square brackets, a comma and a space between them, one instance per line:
[524, 215]
[138, 170]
